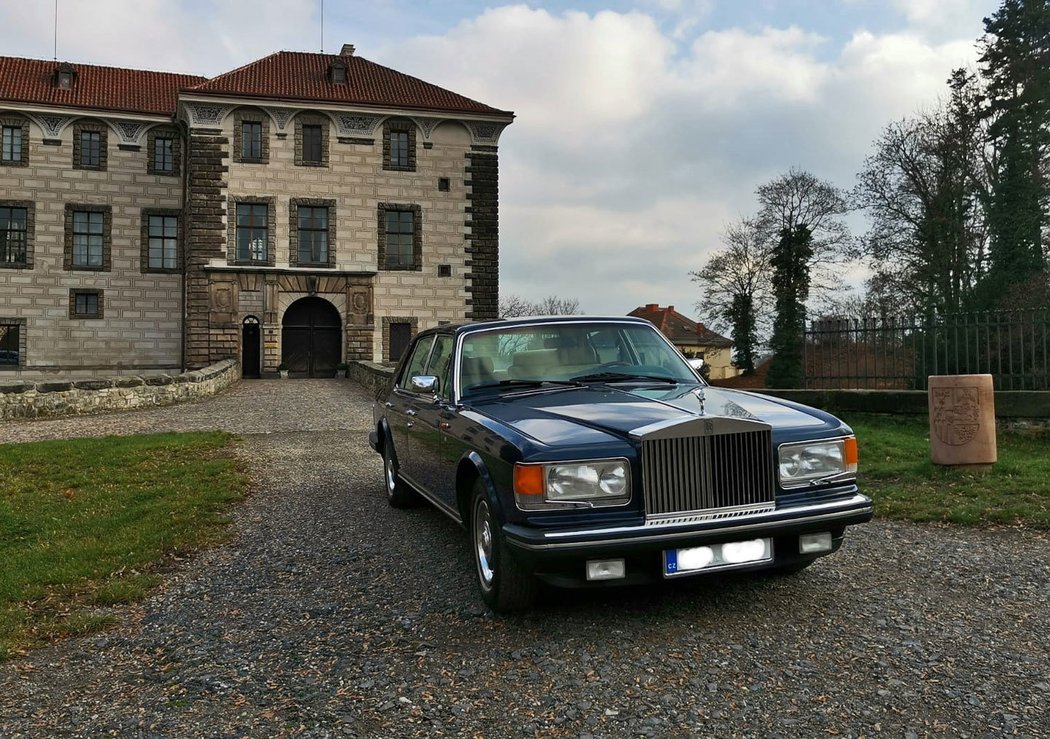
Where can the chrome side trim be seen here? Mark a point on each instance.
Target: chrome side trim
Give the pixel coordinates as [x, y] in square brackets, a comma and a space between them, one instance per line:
[439, 504]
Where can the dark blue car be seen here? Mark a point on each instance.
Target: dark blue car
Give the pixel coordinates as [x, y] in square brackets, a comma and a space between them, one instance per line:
[586, 451]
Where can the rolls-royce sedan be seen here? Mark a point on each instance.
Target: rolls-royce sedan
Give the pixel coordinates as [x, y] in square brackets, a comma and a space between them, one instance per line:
[586, 451]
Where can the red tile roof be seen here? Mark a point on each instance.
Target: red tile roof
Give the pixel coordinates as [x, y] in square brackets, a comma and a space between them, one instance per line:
[98, 88]
[678, 328]
[293, 75]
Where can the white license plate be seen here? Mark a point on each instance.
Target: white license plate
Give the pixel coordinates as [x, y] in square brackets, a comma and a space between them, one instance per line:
[716, 556]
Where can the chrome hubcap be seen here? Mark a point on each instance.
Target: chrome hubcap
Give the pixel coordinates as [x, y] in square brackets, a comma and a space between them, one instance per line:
[483, 543]
[391, 476]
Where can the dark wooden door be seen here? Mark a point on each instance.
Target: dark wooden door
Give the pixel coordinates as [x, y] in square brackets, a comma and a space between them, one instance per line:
[311, 338]
[251, 339]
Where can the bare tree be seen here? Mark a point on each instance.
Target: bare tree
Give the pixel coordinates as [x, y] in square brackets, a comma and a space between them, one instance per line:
[514, 306]
[735, 289]
[924, 187]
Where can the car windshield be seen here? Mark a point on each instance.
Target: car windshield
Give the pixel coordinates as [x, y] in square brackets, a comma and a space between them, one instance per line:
[563, 353]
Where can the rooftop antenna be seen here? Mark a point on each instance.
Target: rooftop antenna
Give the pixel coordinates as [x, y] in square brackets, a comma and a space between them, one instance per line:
[322, 25]
[56, 30]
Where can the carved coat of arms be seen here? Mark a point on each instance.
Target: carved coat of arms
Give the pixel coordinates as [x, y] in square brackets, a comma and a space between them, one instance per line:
[956, 414]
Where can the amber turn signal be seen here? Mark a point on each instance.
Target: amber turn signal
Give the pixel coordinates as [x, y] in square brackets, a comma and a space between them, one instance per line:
[528, 479]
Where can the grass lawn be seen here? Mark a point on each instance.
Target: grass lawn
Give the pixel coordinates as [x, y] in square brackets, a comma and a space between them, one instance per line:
[895, 470]
[89, 523]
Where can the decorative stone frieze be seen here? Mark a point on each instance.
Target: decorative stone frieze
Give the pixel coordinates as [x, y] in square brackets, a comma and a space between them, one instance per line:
[358, 125]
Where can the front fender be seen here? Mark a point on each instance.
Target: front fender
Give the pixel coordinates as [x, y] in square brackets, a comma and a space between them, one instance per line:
[472, 467]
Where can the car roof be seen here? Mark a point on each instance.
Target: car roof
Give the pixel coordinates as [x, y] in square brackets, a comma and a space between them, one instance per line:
[472, 326]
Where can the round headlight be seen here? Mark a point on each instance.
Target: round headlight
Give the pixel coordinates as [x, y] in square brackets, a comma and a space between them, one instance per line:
[613, 480]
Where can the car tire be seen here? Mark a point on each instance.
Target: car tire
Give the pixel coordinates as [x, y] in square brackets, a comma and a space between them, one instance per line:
[504, 584]
[398, 493]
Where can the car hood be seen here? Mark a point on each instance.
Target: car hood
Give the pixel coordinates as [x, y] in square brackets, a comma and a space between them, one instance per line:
[592, 414]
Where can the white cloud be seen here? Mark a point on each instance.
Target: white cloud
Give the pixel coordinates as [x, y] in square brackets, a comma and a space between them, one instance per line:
[639, 134]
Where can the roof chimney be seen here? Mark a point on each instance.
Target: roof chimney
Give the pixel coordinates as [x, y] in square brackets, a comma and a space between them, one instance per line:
[652, 306]
[347, 50]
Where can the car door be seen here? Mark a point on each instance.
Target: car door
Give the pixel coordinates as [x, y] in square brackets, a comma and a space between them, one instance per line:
[433, 413]
[402, 410]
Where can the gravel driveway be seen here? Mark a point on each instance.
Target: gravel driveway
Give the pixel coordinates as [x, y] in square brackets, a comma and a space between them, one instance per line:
[330, 614]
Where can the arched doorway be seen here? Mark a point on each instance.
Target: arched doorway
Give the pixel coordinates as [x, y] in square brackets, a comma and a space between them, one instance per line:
[251, 339]
[311, 338]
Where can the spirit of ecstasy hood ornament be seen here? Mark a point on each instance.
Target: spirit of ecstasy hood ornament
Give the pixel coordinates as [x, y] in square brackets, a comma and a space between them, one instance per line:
[699, 393]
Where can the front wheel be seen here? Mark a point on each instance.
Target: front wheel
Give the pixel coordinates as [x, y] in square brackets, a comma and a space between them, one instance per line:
[504, 584]
[398, 493]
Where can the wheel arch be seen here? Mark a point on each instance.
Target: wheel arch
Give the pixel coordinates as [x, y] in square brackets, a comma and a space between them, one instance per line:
[471, 469]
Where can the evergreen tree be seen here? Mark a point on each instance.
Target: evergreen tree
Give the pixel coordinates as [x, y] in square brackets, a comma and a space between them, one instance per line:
[791, 258]
[1016, 66]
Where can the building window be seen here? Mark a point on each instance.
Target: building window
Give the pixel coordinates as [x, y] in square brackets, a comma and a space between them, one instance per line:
[398, 148]
[337, 73]
[85, 304]
[253, 232]
[12, 342]
[251, 133]
[11, 152]
[400, 236]
[89, 146]
[399, 145]
[14, 236]
[14, 142]
[312, 144]
[64, 76]
[251, 140]
[311, 140]
[161, 237]
[163, 155]
[313, 235]
[88, 240]
[164, 147]
[311, 232]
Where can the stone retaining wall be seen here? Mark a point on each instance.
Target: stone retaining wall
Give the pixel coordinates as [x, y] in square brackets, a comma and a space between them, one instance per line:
[29, 399]
[373, 375]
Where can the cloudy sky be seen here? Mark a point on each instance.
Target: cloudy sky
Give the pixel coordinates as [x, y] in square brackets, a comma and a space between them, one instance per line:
[642, 127]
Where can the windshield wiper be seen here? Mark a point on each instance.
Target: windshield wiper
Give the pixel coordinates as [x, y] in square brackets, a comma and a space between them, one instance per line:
[524, 383]
[623, 377]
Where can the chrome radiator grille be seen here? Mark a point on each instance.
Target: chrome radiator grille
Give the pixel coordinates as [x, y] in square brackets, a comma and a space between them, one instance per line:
[699, 477]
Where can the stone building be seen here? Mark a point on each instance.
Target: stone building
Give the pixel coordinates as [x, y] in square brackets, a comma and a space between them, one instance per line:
[692, 339]
[305, 209]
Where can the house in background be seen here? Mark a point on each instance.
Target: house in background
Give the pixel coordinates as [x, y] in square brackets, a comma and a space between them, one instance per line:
[692, 339]
[305, 209]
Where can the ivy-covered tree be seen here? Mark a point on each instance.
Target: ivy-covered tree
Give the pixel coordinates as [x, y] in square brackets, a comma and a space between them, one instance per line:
[1015, 63]
[791, 280]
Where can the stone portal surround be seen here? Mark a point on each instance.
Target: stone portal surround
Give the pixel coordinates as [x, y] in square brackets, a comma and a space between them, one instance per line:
[48, 398]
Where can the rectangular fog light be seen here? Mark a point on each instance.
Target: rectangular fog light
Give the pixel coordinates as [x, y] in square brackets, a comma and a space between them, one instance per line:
[814, 543]
[606, 569]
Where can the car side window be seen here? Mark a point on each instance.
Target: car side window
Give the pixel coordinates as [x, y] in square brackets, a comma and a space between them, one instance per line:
[416, 362]
[440, 365]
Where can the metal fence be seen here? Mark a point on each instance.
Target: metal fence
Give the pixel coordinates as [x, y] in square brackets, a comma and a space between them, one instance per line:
[901, 352]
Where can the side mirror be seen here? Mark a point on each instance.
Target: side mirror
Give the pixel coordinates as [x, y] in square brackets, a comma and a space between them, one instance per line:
[425, 384]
